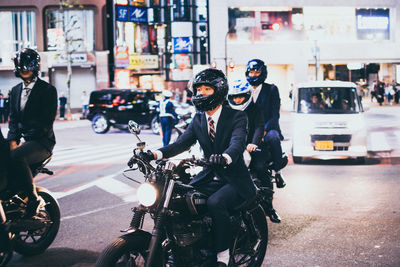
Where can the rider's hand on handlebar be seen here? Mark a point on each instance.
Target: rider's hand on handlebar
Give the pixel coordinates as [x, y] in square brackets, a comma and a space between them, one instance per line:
[217, 160]
[13, 145]
[148, 156]
[251, 147]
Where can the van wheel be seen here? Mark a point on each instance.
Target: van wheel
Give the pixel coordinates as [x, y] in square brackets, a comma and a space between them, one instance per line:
[100, 124]
[297, 160]
[155, 125]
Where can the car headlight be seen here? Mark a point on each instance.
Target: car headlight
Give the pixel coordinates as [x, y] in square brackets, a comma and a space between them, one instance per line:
[147, 194]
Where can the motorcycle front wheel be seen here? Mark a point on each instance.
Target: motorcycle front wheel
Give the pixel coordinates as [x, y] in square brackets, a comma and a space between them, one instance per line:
[126, 250]
[34, 242]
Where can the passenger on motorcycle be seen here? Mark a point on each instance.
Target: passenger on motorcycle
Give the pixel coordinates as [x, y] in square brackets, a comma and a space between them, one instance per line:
[221, 132]
[240, 98]
[33, 108]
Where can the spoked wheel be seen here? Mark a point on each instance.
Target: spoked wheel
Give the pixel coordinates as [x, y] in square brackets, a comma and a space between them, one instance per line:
[127, 250]
[250, 244]
[100, 124]
[33, 242]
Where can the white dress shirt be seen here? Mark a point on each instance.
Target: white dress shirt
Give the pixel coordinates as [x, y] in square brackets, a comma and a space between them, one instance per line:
[256, 92]
[26, 91]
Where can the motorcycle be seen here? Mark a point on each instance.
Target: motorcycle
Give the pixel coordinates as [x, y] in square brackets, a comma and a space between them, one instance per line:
[26, 236]
[181, 234]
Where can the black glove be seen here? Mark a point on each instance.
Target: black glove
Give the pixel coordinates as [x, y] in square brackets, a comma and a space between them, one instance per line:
[147, 156]
[217, 160]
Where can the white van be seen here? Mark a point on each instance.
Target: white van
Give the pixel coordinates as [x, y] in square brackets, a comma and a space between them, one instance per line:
[328, 121]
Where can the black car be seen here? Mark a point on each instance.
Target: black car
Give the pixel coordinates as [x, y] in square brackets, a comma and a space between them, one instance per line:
[115, 107]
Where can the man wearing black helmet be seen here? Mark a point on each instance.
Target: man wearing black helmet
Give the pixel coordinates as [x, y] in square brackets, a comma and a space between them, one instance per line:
[266, 96]
[221, 132]
[33, 107]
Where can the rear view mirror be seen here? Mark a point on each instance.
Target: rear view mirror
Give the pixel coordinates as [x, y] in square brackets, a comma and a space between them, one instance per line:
[134, 127]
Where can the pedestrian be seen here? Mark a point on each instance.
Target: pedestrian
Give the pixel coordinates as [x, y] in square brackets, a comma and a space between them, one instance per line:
[85, 104]
[266, 96]
[221, 133]
[33, 108]
[380, 92]
[62, 103]
[396, 88]
[7, 106]
[168, 117]
[177, 96]
[2, 109]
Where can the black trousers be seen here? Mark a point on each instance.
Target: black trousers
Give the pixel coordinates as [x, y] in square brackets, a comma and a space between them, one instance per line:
[222, 198]
[22, 157]
[62, 111]
[3, 115]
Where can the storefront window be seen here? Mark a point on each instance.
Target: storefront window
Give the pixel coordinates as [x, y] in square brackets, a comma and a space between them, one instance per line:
[79, 25]
[264, 24]
[181, 10]
[20, 32]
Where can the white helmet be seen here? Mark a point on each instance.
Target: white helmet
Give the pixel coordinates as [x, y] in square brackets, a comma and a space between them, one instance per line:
[240, 88]
[167, 93]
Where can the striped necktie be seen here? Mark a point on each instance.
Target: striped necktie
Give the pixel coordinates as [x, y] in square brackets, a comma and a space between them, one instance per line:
[212, 129]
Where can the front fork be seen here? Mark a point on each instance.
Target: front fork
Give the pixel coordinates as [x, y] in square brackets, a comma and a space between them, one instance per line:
[158, 227]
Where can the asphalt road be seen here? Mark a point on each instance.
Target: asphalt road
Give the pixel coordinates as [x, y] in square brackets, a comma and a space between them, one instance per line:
[335, 213]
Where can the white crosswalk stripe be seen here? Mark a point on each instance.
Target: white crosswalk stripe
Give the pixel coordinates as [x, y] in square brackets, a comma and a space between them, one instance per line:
[94, 154]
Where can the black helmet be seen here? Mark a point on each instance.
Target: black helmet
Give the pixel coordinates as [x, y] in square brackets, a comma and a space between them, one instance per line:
[258, 65]
[215, 79]
[27, 59]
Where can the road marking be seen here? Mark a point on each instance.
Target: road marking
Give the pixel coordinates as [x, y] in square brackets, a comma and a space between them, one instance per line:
[91, 212]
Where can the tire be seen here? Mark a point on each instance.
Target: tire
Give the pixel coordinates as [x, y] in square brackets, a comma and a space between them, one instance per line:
[297, 160]
[252, 240]
[5, 248]
[125, 249]
[155, 125]
[29, 243]
[100, 124]
[360, 160]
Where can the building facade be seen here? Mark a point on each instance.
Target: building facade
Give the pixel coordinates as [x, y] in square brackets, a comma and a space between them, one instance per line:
[157, 43]
[53, 30]
[352, 40]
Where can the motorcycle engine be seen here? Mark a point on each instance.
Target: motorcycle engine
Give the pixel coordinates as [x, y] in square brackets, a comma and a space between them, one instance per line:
[186, 234]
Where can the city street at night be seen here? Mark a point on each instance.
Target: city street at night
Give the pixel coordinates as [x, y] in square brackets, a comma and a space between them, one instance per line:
[335, 213]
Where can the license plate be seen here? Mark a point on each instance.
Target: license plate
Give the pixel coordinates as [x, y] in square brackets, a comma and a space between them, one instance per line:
[323, 145]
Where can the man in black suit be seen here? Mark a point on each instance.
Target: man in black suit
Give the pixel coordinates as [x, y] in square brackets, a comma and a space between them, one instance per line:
[221, 132]
[33, 107]
[266, 96]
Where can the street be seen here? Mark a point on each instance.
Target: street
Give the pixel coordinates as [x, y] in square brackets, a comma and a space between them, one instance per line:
[335, 213]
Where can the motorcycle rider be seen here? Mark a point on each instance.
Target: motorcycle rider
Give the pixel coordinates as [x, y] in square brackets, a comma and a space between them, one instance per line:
[240, 98]
[33, 108]
[266, 96]
[167, 116]
[221, 132]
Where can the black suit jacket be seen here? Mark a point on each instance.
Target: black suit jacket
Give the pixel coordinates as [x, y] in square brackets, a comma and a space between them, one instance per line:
[230, 138]
[35, 122]
[256, 124]
[270, 102]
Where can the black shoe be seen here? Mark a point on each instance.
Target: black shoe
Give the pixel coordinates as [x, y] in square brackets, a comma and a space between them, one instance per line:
[273, 216]
[221, 264]
[32, 207]
[280, 183]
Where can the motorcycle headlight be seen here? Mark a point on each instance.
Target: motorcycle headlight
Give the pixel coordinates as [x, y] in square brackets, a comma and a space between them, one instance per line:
[147, 194]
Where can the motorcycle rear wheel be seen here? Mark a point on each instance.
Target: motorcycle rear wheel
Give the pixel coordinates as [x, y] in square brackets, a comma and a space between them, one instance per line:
[29, 243]
[126, 250]
[250, 244]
